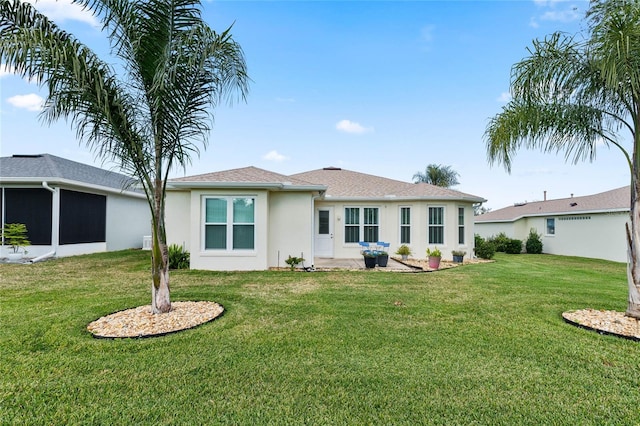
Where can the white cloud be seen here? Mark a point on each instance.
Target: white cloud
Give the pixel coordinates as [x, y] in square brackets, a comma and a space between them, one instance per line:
[64, 10]
[6, 70]
[274, 156]
[504, 97]
[555, 11]
[30, 102]
[349, 126]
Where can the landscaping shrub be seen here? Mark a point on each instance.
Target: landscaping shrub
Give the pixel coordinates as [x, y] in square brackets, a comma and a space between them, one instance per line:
[513, 246]
[478, 240]
[501, 241]
[178, 257]
[534, 242]
[486, 250]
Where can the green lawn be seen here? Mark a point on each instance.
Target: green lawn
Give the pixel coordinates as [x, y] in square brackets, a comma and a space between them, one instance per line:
[480, 344]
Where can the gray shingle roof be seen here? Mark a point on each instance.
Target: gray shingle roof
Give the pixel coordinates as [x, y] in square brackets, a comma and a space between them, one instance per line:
[615, 200]
[245, 175]
[348, 184]
[54, 169]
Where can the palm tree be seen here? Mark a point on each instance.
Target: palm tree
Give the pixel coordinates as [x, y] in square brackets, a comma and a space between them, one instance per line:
[149, 120]
[439, 175]
[572, 93]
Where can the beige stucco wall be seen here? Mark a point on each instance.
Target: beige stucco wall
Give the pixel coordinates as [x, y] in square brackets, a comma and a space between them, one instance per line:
[290, 230]
[177, 216]
[283, 227]
[389, 230]
[594, 235]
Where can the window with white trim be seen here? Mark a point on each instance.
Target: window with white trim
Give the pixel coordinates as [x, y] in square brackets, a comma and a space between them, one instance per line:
[460, 225]
[229, 223]
[361, 224]
[436, 225]
[551, 226]
[405, 225]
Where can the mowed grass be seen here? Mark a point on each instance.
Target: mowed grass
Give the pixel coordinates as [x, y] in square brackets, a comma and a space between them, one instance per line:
[479, 344]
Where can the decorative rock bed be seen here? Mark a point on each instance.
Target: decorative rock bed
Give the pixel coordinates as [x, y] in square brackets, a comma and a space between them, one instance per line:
[140, 322]
[605, 322]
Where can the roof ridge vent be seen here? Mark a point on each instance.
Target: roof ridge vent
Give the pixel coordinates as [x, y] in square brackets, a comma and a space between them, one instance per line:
[519, 204]
[27, 156]
[332, 168]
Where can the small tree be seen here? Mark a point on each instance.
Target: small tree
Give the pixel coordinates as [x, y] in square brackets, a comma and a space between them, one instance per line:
[15, 236]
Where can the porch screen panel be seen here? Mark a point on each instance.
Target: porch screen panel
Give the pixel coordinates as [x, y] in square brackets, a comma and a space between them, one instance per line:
[351, 224]
[31, 206]
[83, 217]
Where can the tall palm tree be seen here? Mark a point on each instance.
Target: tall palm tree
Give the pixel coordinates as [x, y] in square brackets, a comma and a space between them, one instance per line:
[148, 120]
[439, 175]
[572, 93]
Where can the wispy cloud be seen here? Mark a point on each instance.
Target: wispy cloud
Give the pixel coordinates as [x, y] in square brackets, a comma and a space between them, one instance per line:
[426, 35]
[274, 156]
[30, 102]
[504, 97]
[555, 11]
[349, 126]
[64, 10]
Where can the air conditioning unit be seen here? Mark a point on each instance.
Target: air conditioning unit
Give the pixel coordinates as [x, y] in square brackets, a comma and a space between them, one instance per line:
[146, 242]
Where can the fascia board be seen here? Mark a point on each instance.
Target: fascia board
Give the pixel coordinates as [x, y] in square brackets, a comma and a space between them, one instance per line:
[565, 213]
[244, 185]
[404, 199]
[37, 181]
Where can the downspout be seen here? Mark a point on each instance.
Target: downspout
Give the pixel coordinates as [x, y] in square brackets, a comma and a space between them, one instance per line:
[313, 227]
[54, 241]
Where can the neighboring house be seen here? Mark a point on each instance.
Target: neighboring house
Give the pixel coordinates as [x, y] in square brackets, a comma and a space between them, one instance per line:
[251, 218]
[589, 226]
[71, 208]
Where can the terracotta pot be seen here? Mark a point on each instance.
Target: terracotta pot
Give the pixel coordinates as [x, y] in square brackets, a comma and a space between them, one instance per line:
[434, 262]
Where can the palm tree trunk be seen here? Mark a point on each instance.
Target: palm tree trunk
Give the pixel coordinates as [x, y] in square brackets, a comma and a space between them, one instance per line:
[160, 293]
[633, 243]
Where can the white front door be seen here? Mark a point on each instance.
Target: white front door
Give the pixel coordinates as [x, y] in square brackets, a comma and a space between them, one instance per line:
[323, 232]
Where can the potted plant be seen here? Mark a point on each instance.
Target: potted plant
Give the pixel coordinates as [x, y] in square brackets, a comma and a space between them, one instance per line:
[293, 262]
[15, 236]
[404, 251]
[369, 258]
[434, 257]
[382, 259]
[458, 255]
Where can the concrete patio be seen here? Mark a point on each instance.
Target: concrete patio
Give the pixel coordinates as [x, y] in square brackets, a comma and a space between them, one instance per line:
[322, 263]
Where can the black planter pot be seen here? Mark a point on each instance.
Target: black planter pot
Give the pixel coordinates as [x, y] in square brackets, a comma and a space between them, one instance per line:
[369, 262]
[458, 259]
[382, 260]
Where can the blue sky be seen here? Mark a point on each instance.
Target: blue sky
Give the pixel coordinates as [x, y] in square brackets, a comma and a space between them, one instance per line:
[378, 87]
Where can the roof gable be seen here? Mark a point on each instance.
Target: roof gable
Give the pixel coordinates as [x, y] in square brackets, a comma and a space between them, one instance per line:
[614, 200]
[246, 176]
[51, 168]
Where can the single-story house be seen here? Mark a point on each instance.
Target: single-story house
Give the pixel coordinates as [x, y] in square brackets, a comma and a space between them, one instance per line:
[253, 219]
[590, 226]
[71, 208]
